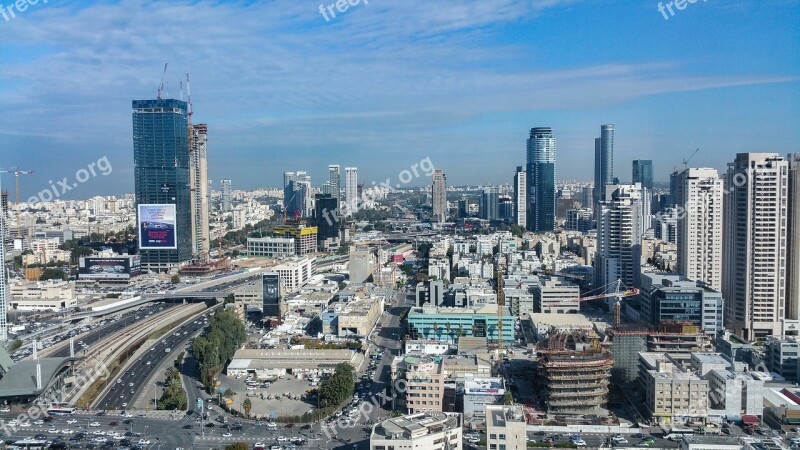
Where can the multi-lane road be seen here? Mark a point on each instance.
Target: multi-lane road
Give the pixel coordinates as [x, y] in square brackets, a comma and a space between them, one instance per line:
[124, 321]
[125, 389]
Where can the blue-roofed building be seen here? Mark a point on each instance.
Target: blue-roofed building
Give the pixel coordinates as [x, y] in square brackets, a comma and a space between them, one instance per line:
[448, 323]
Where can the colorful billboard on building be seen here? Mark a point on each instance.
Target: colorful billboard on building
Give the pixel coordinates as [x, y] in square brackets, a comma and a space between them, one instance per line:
[157, 227]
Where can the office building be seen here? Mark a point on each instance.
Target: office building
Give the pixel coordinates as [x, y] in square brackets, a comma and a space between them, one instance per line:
[271, 247]
[506, 427]
[450, 323]
[424, 377]
[361, 264]
[429, 431]
[781, 356]
[603, 162]
[642, 173]
[541, 177]
[351, 198]
[736, 393]
[161, 177]
[674, 298]
[334, 182]
[295, 273]
[326, 213]
[439, 196]
[463, 208]
[490, 204]
[793, 240]
[619, 237]
[226, 195]
[581, 219]
[700, 226]
[521, 197]
[556, 295]
[665, 225]
[198, 179]
[305, 238]
[672, 395]
[480, 393]
[297, 201]
[754, 252]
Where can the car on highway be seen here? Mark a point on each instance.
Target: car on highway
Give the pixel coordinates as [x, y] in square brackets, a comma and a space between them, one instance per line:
[94, 424]
[227, 434]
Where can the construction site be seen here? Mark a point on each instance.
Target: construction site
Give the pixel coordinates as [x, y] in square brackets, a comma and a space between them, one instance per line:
[575, 373]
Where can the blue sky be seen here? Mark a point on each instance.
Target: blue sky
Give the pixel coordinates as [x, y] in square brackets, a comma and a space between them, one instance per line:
[391, 82]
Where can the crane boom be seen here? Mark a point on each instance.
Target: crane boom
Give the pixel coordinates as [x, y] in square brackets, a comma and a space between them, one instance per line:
[161, 86]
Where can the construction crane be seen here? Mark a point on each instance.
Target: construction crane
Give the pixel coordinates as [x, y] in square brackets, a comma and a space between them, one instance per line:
[17, 172]
[618, 293]
[161, 86]
[686, 160]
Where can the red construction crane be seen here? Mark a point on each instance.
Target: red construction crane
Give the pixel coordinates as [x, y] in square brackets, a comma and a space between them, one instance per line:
[618, 293]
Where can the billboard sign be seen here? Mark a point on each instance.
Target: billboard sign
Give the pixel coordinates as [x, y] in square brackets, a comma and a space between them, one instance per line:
[157, 227]
[108, 268]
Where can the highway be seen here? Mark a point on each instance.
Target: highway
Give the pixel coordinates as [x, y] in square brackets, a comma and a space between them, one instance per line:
[125, 320]
[131, 383]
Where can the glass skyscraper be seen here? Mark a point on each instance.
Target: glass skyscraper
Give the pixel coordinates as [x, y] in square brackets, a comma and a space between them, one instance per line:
[161, 172]
[643, 173]
[603, 162]
[541, 177]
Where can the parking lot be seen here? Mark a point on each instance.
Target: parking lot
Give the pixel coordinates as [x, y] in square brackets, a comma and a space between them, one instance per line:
[284, 397]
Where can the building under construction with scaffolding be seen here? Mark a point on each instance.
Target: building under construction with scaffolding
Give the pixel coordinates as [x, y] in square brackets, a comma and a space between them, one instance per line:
[575, 371]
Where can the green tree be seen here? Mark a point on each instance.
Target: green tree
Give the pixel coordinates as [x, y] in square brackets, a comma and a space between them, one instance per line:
[52, 273]
[15, 345]
[175, 279]
[238, 446]
[339, 387]
[508, 398]
[247, 405]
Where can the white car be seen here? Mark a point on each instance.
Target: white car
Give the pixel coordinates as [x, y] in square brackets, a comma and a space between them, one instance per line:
[4, 409]
[99, 433]
[127, 415]
[143, 442]
[124, 405]
[619, 439]
[226, 434]
[24, 424]
[94, 424]
[579, 442]
[41, 422]
[53, 431]
[282, 439]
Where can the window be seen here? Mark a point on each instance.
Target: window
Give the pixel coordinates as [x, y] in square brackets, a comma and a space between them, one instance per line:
[492, 436]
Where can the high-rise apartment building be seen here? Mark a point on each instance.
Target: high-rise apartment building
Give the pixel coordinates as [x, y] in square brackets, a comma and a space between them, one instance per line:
[603, 162]
[439, 196]
[227, 195]
[755, 244]
[297, 200]
[619, 237]
[521, 197]
[642, 173]
[351, 190]
[699, 234]
[161, 176]
[490, 204]
[334, 182]
[541, 177]
[4, 291]
[198, 180]
[793, 240]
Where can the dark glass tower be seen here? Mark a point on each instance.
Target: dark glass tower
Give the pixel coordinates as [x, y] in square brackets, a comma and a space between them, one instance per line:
[603, 162]
[541, 177]
[643, 173]
[326, 214]
[161, 171]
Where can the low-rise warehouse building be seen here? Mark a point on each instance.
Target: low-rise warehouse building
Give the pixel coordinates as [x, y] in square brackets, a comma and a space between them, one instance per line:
[270, 363]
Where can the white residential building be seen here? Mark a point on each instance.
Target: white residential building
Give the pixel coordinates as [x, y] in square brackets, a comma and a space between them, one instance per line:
[198, 180]
[295, 273]
[700, 226]
[334, 182]
[521, 197]
[506, 427]
[754, 252]
[351, 189]
[439, 196]
[556, 295]
[619, 236]
[428, 431]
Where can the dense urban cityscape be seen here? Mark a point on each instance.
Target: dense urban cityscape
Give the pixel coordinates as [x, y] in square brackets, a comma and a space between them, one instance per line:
[645, 302]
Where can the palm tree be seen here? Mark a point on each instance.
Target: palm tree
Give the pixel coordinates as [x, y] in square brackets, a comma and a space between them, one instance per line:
[247, 405]
[460, 331]
[435, 328]
[449, 333]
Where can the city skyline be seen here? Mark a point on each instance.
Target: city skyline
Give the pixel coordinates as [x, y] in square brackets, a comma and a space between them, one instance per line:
[659, 97]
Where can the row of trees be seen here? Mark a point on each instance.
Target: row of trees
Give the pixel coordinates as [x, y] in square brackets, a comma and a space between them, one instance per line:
[339, 387]
[225, 335]
[173, 397]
